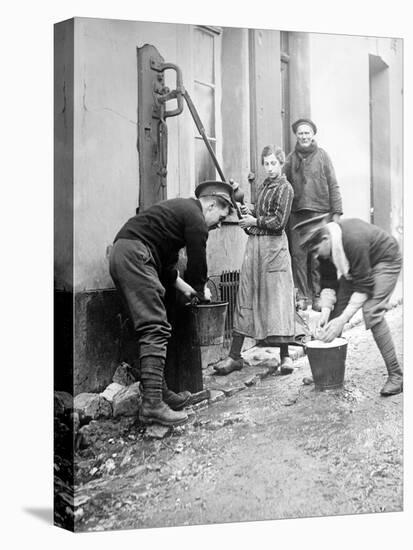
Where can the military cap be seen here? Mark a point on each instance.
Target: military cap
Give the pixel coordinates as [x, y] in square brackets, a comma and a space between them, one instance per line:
[215, 189]
[300, 121]
[308, 228]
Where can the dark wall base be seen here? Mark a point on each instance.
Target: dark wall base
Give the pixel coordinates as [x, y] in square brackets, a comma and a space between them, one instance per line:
[93, 336]
[91, 339]
[101, 339]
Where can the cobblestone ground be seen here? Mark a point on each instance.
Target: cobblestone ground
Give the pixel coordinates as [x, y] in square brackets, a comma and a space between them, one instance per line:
[278, 449]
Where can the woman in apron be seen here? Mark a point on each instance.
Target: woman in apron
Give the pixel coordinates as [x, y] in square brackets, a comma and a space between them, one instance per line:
[265, 307]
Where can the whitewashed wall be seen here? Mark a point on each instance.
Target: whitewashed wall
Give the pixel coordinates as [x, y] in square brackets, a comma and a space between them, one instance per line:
[340, 108]
[106, 175]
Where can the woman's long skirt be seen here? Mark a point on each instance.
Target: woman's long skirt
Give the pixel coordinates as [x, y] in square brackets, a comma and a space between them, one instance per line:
[265, 302]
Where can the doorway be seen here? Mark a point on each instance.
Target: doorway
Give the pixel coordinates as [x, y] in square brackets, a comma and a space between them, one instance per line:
[380, 169]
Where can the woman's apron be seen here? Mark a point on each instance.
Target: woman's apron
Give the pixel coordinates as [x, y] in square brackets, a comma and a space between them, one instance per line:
[265, 302]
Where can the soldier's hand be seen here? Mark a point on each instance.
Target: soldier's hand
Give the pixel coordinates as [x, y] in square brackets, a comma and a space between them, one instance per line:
[207, 294]
[185, 288]
[323, 318]
[333, 330]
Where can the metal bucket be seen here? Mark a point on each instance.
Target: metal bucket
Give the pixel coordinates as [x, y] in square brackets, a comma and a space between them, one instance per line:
[327, 362]
[209, 323]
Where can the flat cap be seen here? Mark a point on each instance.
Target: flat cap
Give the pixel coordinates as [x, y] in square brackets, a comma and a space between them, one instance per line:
[308, 228]
[215, 189]
[300, 121]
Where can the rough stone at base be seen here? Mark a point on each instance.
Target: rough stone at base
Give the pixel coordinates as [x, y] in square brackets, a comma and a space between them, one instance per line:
[123, 375]
[92, 405]
[111, 390]
[127, 401]
[215, 396]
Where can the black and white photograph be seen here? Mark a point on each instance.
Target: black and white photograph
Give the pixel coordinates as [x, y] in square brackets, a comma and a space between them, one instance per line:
[228, 271]
[227, 255]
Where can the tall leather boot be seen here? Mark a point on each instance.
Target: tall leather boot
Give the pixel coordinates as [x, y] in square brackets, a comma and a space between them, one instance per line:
[175, 401]
[384, 341]
[153, 409]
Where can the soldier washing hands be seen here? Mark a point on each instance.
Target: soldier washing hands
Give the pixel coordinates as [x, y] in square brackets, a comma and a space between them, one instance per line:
[359, 265]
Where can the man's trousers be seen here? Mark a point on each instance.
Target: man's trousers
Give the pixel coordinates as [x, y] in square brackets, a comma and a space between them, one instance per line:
[136, 277]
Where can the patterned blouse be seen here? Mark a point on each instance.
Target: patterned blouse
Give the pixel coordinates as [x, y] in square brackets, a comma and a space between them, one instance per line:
[273, 206]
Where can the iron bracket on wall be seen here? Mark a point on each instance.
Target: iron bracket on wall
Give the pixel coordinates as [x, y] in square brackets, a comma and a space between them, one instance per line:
[152, 127]
[162, 93]
[153, 138]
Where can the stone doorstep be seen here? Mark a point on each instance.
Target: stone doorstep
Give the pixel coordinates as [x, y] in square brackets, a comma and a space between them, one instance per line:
[239, 380]
[215, 396]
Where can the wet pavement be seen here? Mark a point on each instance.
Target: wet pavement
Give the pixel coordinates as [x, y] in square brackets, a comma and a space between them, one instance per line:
[274, 448]
[261, 362]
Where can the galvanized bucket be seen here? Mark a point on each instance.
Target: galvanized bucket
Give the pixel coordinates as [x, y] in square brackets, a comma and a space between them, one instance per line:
[327, 362]
[209, 323]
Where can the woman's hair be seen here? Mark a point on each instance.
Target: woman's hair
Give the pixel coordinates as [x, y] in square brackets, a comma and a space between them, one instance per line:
[273, 150]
